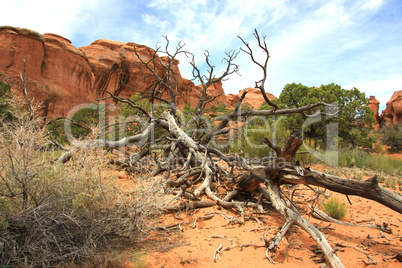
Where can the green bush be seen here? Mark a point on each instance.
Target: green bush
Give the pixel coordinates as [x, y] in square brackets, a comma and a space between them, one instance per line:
[220, 109]
[127, 110]
[250, 139]
[392, 136]
[334, 207]
[83, 121]
[56, 129]
[351, 107]
[87, 117]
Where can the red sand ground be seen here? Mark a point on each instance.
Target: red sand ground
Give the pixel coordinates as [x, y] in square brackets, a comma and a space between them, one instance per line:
[194, 245]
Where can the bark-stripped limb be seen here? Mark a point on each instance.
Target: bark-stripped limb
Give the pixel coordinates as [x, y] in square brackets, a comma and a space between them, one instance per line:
[291, 215]
[165, 82]
[140, 139]
[369, 189]
[260, 84]
[202, 159]
[322, 216]
[190, 205]
[277, 239]
[219, 250]
[224, 122]
[194, 150]
[208, 80]
[226, 204]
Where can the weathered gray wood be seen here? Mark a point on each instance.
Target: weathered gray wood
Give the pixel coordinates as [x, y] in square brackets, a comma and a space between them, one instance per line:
[291, 215]
[190, 205]
[140, 138]
[194, 150]
[322, 216]
[369, 189]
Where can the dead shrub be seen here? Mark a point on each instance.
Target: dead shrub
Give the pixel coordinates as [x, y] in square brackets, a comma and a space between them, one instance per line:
[59, 215]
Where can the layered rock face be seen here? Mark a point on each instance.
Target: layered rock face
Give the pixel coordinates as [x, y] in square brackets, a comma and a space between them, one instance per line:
[392, 115]
[254, 98]
[117, 68]
[63, 76]
[57, 73]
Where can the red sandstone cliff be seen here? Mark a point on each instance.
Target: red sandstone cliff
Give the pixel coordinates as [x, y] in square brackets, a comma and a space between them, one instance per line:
[62, 76]
[392, 115]
[254, 98]
[57, 73]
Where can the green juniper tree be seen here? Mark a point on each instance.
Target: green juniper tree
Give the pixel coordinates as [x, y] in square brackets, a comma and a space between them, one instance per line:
[354, 118]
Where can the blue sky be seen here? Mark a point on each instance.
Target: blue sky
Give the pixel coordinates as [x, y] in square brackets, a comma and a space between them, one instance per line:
[313, 42]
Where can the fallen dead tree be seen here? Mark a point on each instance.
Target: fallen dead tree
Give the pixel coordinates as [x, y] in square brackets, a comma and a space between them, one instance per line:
[200, 175]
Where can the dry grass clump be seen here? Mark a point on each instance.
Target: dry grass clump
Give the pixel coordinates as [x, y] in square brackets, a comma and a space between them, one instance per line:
[361, 159]
[334, 207]
[60, 215]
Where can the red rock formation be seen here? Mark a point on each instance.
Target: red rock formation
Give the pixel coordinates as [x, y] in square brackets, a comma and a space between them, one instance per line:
[117, 68]
[374, 104]
[57, 73]
[17, 44]
[232, 99]
[392, 115]
[105, 65]
[62, 76]
[66, 72]
[254, 98]
[216, 90]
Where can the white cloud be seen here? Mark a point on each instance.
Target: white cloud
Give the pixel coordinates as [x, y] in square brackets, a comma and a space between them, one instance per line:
[214, 26]
[372, 4]
[47, 16]
[382, 89]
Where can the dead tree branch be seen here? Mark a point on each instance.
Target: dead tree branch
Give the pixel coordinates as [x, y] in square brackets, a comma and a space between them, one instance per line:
[210, 79]
[322, 216]
[260, 84]
[291, 214]
[369, 189]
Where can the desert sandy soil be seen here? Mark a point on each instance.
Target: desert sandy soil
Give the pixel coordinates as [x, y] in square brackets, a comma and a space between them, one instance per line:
[202, 232]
